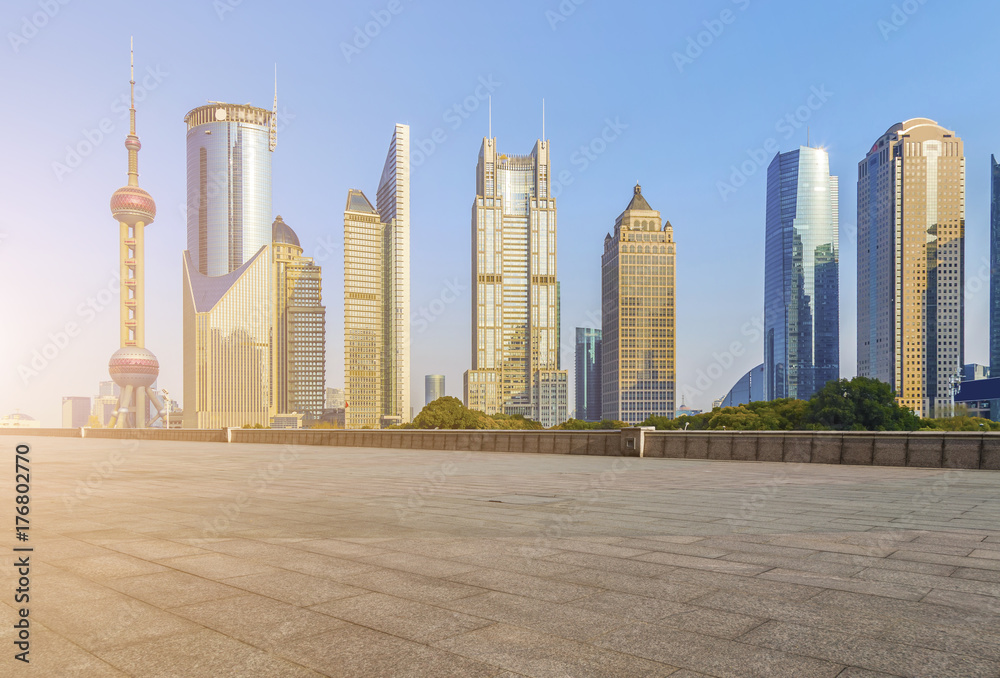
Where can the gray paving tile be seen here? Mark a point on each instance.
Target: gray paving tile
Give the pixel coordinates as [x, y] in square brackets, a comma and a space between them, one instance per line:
[216, 566]
[716, 657]
[535, 654]
[352, 650]
[202, 654]
[875, 654]
[294, 587]
[172, 589]
[524, 585]
[412, 586]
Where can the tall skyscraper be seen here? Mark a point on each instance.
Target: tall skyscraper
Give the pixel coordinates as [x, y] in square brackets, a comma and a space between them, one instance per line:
[228, 311]
[433, 387]
[133, 367]
[994, 266]
[588, 374]
[911, 262]
[299, 344]
[377, 295]
[515, 297]
[801, 275]
[637, 313]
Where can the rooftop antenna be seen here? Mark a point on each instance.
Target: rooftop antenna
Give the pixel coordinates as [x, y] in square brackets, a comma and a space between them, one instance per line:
[491, 116]
[272, 141]
[543, 119]
[131, 82]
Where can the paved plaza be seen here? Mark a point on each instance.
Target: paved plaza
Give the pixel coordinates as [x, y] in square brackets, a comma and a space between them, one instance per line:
[189, 559]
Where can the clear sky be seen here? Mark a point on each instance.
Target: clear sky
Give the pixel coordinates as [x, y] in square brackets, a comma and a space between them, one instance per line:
[627, 80]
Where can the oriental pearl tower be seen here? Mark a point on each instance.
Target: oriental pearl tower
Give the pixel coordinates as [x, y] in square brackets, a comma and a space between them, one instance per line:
[133, 367]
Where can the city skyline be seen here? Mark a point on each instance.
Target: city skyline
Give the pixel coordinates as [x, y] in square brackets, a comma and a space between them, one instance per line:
[577, 117]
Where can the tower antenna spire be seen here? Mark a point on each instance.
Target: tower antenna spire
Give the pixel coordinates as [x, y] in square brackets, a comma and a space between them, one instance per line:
[272, 141]
[131, 83]
[491, 116]
[543, 118]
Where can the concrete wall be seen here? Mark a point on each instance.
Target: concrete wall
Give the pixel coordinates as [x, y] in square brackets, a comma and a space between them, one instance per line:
[921, 449]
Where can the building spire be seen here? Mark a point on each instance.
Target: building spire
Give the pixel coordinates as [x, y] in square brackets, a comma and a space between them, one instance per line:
[491, 116]
[272, 142]
[543, 119]
[132, 141]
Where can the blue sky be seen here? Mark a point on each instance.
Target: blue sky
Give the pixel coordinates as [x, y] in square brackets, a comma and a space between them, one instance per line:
[613, 83]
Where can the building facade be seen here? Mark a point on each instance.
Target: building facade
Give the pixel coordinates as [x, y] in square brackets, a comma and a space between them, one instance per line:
[433, 388]
[994, 266]
[75, 411]
[975, 371]
[299, 335]
[637, 314]
[227, 267]
[377, 295]
[588, 374]
[749, 389]
[911, 263]
[801, 275]
[515, 300]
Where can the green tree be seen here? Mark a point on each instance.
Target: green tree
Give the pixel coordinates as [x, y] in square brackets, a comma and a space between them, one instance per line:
[515, 422]
[449, 412]
[960, 423]
[859, 404]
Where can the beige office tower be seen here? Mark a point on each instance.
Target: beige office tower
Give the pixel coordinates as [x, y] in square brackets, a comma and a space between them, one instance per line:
[299, 339]
[911, 262]
[637, 316]
[377, 295]
[515, 303]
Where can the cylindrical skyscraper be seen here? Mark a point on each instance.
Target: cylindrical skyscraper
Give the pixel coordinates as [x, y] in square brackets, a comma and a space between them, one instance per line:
[133, 367]
[227, 266]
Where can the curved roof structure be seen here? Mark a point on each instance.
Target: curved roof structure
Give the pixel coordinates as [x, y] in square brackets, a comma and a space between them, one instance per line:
[283, 233]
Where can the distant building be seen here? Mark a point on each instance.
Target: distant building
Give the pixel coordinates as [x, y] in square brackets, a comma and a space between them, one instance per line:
[638, 375]
[18, 420]
[377, 295]
[975, 371]
[980, 397]
[684, 410]
[911, 264]
[291, 420]
[75, 411]
[515, 296]
[433, 387]
[994, 266]
[801, 275]
[588, 374]
[749, 389]
[334, 399]
[298, 350]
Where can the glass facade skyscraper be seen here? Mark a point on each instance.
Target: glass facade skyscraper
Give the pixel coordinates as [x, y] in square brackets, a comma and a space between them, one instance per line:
[911, 264]
[801, 275]
[588, 374]
[994, 267]
[377, 295]
[515, 301]
[227, 267]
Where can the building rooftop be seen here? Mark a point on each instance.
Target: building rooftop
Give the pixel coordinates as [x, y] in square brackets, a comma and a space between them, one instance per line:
[283, 233]
[187, 559]
[638, 202]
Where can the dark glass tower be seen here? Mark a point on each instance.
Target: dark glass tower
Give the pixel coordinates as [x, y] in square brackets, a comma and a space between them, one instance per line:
[588, 374]
[801, 275]
[995, 269]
